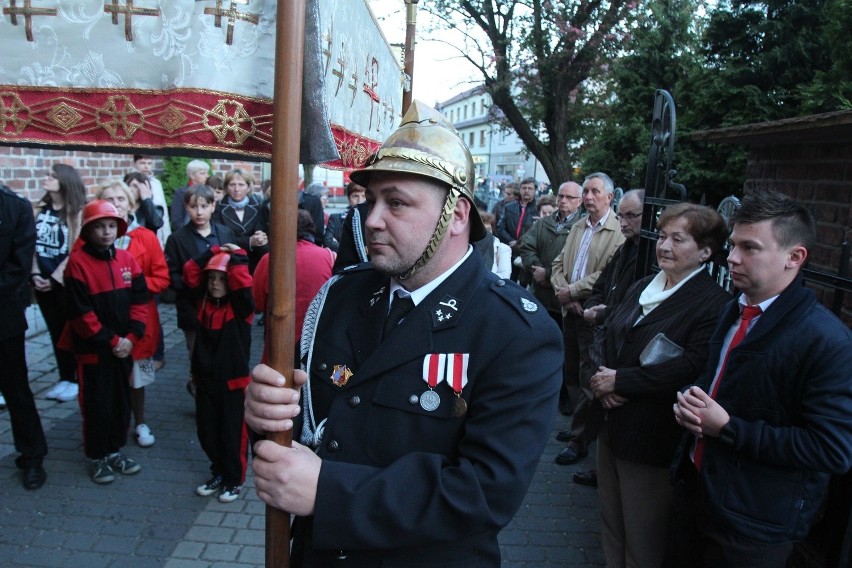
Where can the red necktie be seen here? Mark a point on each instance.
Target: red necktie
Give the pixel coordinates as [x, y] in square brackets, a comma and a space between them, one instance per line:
[748, 314]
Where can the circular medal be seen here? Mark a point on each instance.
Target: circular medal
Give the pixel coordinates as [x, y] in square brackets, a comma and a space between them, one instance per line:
[429, 400]
[459, 407]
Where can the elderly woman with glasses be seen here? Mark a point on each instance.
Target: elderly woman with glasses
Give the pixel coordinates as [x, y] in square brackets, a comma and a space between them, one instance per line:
[655, 343]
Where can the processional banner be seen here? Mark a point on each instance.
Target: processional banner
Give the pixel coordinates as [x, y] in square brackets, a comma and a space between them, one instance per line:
[184, 76]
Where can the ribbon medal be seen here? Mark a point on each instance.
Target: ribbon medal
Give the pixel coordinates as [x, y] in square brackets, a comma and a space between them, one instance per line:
[457, 379]
[341, 375]
[434, 366]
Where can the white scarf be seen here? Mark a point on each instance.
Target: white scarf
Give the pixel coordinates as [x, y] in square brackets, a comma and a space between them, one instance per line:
[654, 293]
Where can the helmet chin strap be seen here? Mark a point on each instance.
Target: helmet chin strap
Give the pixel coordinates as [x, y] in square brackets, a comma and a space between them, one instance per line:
[437, 236]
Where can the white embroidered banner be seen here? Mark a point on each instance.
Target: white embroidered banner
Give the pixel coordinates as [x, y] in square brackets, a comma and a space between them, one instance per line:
[184, 74]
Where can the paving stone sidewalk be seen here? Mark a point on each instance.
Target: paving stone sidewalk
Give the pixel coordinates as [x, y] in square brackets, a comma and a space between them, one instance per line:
[154, 518]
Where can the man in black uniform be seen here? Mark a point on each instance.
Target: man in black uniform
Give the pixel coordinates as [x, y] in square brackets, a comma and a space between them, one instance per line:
[17, 245]
[427, 433]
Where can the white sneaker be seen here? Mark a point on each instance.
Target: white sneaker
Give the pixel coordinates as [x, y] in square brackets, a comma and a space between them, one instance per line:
[56, 389]
[144, 437]
[229, 494]
[68, 393]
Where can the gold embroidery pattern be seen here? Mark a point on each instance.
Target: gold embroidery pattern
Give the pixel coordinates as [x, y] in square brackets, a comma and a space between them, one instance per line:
[27, 12]
[64, 117]
[233, 15]
[221, 122]
[120, 118]
[129, 10]
[196, 119]
[14, 114]
[172, 118]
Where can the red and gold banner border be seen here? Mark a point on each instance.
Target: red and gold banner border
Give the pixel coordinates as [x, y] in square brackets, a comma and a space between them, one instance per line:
[208, 122]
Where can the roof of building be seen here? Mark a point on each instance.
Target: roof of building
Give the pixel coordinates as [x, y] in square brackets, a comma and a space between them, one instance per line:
[835, 126]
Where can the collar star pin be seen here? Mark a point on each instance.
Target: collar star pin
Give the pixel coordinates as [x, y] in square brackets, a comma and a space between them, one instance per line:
[341, 375]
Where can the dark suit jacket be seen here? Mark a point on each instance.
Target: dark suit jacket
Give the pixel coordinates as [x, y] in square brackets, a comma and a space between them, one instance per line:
[17, 245]
[400, 484]
[644, 429]
[509, 221]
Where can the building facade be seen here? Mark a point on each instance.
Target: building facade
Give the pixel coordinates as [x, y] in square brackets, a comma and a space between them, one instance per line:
[498, 154]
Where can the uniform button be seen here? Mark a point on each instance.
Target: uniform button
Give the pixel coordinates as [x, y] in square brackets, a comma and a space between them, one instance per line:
[354, 401]
[501, 283]
[413, 399]
[341, 555]
[332, 446]
[323, 366]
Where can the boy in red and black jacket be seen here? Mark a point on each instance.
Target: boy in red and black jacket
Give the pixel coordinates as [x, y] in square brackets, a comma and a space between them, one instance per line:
[107, 304]
[220, 363]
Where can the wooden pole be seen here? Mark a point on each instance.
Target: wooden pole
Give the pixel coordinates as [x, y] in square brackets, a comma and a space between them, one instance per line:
[286, 128]
[410, 32]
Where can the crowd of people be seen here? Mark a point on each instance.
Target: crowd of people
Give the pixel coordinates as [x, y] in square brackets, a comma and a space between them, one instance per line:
[435, 345]
[97, 267]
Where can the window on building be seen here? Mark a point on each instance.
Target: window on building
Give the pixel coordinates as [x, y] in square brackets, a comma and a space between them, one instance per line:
[470, 138]
[482, 138]
[465, 111]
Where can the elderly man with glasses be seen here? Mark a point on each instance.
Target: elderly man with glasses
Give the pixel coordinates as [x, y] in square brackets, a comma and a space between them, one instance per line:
[589, 247]
[545, 240]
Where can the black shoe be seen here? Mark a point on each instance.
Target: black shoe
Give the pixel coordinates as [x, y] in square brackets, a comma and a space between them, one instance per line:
[570, 455]
[564, 436]
[33, 477]
[589, 478]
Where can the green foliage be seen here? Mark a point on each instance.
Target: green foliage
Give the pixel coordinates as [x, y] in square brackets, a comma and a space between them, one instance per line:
[540, 60]
[745, 62]
[174, 174]
[663, 51]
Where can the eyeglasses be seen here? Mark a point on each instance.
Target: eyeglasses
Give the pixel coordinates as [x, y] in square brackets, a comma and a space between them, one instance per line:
[568, 197]
[628, 216]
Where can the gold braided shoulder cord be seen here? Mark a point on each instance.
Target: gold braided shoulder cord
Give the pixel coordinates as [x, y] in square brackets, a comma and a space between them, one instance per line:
[437, 236]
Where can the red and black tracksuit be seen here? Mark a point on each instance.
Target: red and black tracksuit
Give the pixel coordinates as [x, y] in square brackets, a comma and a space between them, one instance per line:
[220, 365]
[107, 299]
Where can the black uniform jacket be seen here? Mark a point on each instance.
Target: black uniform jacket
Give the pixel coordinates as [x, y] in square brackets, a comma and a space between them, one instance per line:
[405, 486]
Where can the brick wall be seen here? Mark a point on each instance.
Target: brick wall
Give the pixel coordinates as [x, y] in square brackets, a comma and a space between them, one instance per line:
[22, 169]
[820, 176]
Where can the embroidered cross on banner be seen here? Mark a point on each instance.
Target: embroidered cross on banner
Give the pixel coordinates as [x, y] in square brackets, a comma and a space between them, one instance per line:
[233, 15]
[27, 12]
[129, 10]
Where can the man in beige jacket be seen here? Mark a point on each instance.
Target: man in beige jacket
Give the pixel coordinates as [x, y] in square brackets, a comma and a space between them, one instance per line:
[588, 248]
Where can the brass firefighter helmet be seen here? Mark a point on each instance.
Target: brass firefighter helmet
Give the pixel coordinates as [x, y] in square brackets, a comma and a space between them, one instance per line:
[426, 144]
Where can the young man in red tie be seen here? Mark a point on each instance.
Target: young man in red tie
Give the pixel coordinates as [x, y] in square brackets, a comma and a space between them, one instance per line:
[777, 421]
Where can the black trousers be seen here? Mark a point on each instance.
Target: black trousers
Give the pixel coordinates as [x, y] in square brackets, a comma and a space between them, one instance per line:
[15, 388]
[694, 541]
[104, 401]
[222, 432]
[52, 306]
[588, 413]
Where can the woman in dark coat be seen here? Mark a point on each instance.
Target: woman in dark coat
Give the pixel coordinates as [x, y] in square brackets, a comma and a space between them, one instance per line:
[244, 216]
[656, 343]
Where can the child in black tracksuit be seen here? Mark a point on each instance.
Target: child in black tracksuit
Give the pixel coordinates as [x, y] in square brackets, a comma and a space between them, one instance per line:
[220, 363]
[107, 306]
